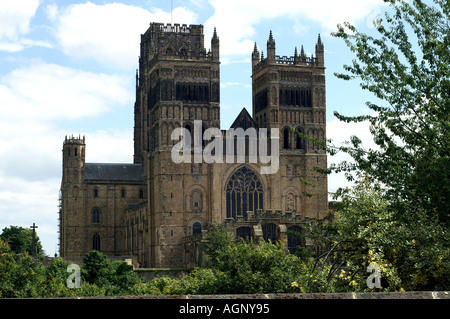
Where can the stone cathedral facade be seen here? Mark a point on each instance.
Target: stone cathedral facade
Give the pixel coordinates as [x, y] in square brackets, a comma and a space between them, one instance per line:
[156, 211]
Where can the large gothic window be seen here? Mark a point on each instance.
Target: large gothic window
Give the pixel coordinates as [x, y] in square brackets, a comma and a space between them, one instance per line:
[244, 193]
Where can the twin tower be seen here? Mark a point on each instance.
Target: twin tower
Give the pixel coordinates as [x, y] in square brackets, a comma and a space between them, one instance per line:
[155, 211]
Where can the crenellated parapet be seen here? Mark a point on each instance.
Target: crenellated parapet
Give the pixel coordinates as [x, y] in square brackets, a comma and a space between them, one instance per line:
[185, 42]
[75, 140]
[301, 60]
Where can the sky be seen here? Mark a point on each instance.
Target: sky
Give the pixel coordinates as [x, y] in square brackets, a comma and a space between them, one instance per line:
[68, 67]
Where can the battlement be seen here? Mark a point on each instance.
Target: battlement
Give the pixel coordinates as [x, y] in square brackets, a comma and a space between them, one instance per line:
[285, 60]
[176, 28]
[177, 41]
[75, 140]
[259, 61]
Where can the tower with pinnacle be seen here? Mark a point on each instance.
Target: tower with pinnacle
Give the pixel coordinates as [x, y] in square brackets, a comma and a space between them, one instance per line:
[289, 93]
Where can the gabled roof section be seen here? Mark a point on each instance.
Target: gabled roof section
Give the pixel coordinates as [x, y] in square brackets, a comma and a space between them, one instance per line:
[113, 172]
[244, 120]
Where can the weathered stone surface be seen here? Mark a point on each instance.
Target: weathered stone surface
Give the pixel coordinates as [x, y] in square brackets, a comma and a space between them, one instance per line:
[151, 209]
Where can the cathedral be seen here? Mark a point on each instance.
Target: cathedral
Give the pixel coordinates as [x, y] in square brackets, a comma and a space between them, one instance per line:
[156, 210]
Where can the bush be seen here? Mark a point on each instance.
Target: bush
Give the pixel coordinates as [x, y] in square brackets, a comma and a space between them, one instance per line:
[251, 268]
[116, 277]
[199, 281]
[20, 275]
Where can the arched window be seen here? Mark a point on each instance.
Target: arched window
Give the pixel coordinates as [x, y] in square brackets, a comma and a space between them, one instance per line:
[96, 242]
[299, 142]
[269, 232]
[96, 216]
[243, 232]
[294, 238]
[244, 193]
[196, 228]
[286, 138]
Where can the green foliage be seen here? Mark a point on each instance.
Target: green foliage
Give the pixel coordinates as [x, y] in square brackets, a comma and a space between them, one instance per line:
[397, 215]
[219, 238]
[199, 281]
[251, 268]
[413, 252]
[20, 239]
[22, 277]
[407, 67]
[115, 277]
[96, 268]
[243, 267]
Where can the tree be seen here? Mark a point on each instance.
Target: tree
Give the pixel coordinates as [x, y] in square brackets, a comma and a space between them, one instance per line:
[243, 266]
[117, 278]
[396, 215]
[96, 268]
[257, 267]
[20, 275]
[412, 254]
[20, 239]
[219, 237]
[407, 67]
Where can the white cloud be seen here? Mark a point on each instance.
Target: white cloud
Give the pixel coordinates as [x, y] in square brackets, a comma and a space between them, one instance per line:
[300, 28]
[110, 33]
[52, 11]
[110, 146]
[44, 91]
[33, 99]
[23, 198]
[340, 132]
[21, 44]
[224, 85]
[24, 202]
[10, 46]
[15, 18]
[236, 33]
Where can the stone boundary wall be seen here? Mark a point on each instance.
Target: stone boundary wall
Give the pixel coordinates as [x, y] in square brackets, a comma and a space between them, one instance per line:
[294, 296]
[347, 295]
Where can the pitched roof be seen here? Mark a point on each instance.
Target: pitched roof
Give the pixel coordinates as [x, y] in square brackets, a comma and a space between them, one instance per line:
[113, 172]
[244, 120]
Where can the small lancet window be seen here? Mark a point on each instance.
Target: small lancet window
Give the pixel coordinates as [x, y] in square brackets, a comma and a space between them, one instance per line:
[96, 242]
